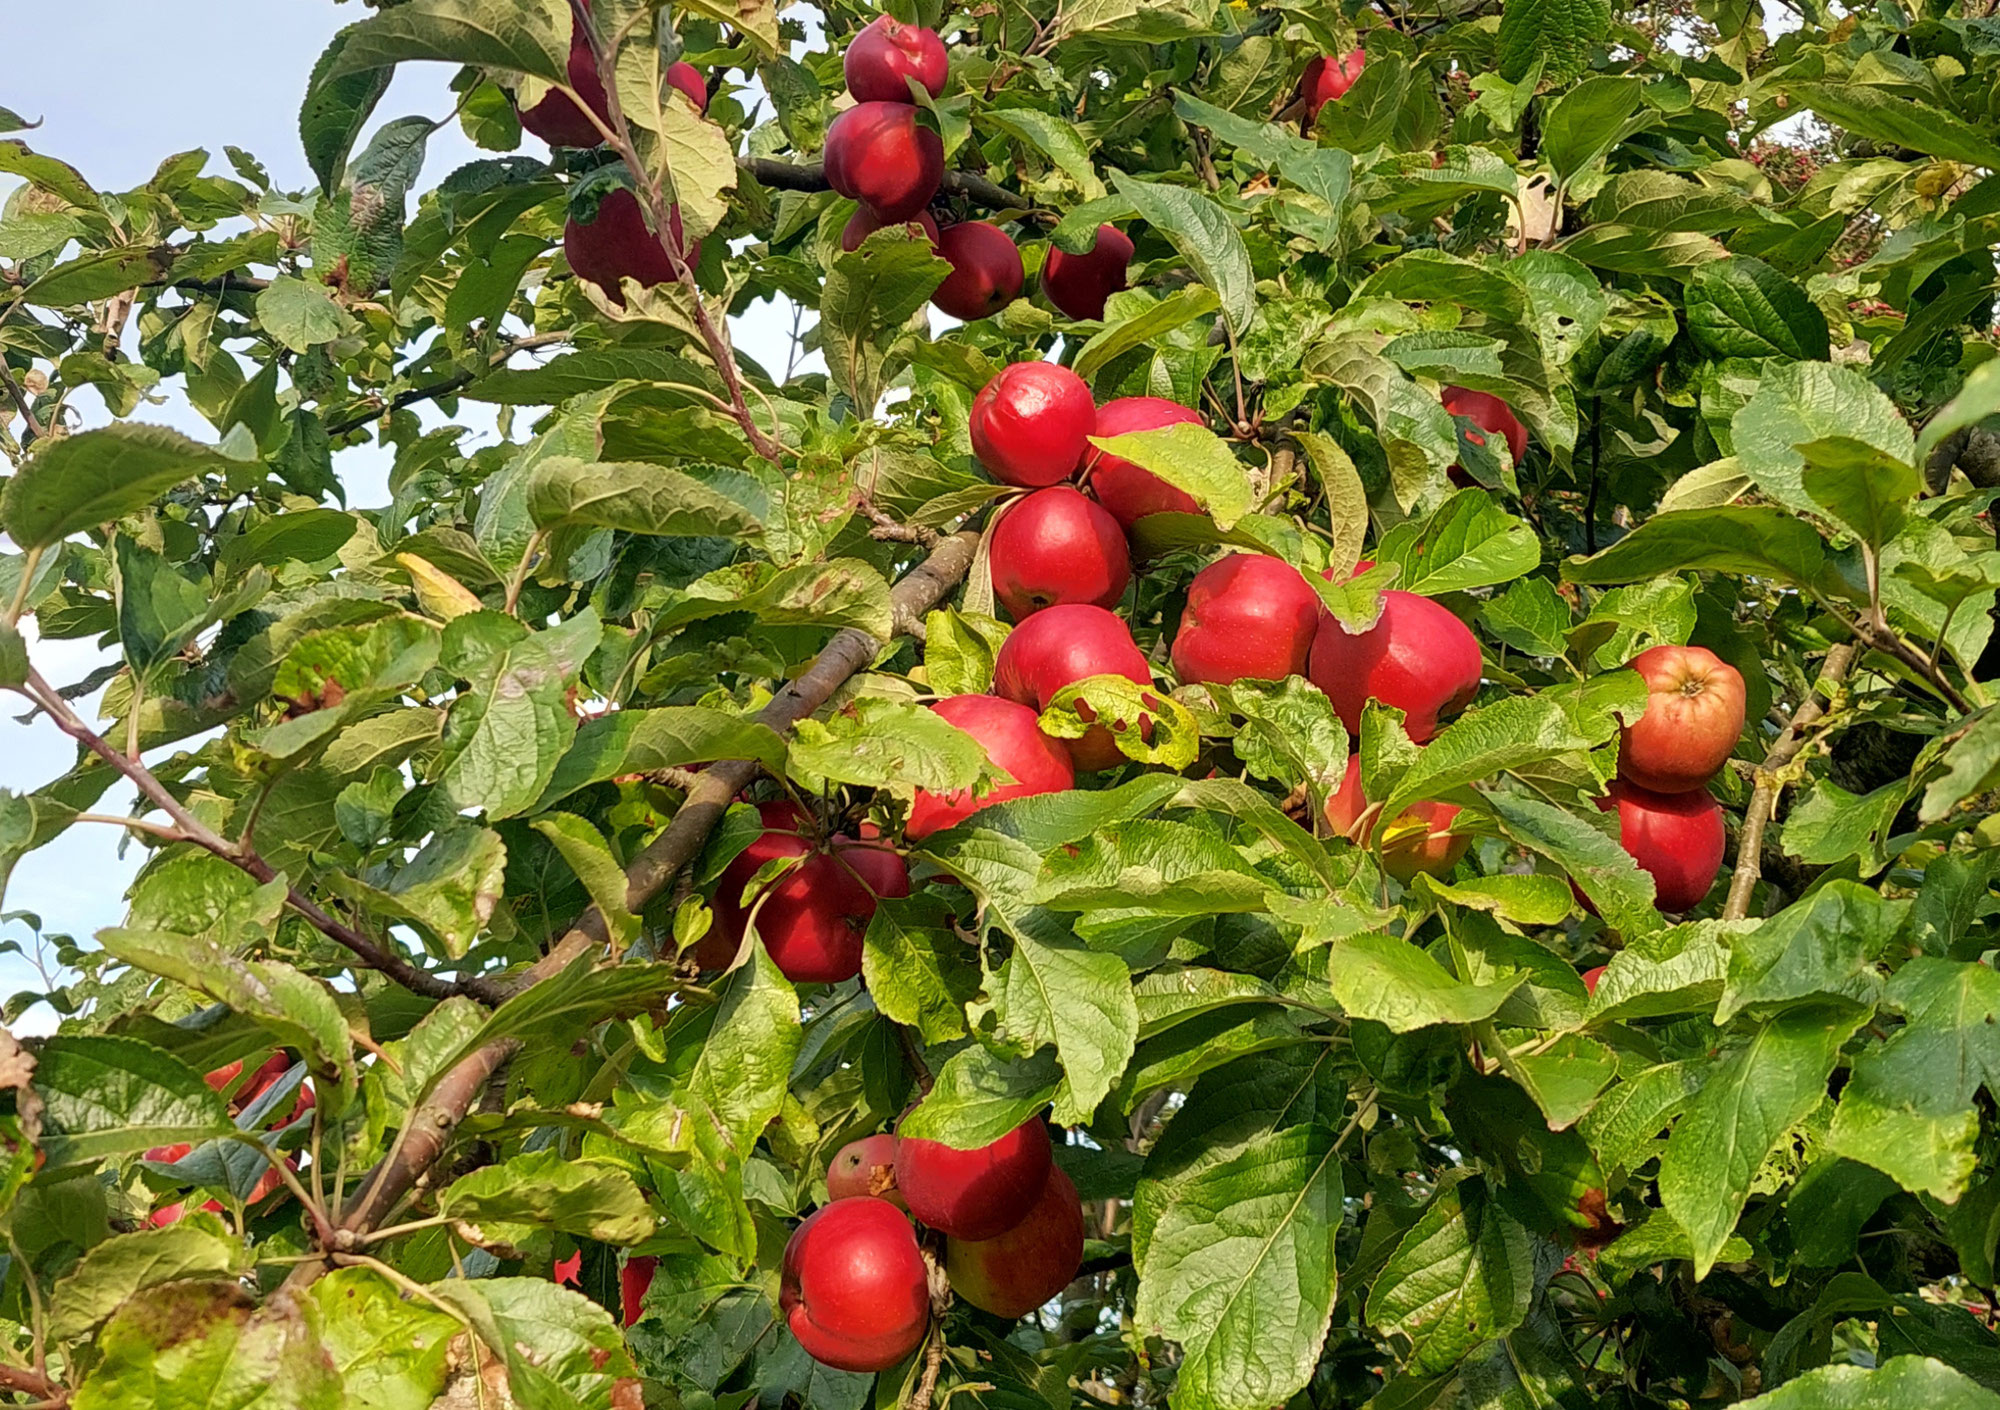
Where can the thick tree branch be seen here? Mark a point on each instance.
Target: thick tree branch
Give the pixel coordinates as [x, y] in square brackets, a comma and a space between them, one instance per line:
[457, 382]
[1764, 796]
[18, 1380]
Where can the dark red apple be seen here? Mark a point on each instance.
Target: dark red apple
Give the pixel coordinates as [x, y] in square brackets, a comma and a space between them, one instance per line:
[1327, 80]
[1032, 423]
[1122, 487]
[1418, 658]
[1060, 646]
[687, 78]
[1012, 737]
[865, 222]
[886, 54]
[1080, 284]
[1677, 838]
[633, 1281]
[617, 245]
[1420, 840]
[557, 119]
[975, 1194]
[986, 272]
[880, 155]
[1055, 546]
[1694, 716]
[865, 1167]
[853, 1288]
[813, 918]
[1248, 617]
[1016, 1271]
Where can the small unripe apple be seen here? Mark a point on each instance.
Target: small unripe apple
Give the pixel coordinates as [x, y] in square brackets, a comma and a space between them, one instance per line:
[1080, 284]
[1327, 80]
[865, 222]
[1418, 658]
[865, 1167]
[1060, 646]
[1011, 735]
[975, 1194]
[557, 119]
[886, 54]
[686, 77]
[813, 918]
[1019, 1269]
[1677, 838]
[617, 245]
[1122, 487]
[633, 1281]
[880, 155]
[1032, 423]
[1055, 546]
[853, 1288]
[1249, 617]
[1694, 716]
[1420, 840]
[986, 272]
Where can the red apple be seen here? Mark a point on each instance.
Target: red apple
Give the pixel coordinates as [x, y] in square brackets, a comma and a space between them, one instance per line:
[813, 918]
[1418, 658]
[1055, 546]
[1079, 284]
[274, 1067]
[975, 1194]
[222, 1076]
[1032, 423]
[617, 245]
[865, 222]
[1694, 716]
[1016, 1271]
[633, 1281]
[1248, 616]
[566, 1271]
[1122, 487]
[1677, 838]
[1491, 415]
[1591, 979]
[880, 155]
[1012, 737]
[986, 272]
[687, 78]
[1327, 80]
[1060, 646]
[1419, 840]
[886, 54]
[853, 1288]
[865, 1167]
[557, 119]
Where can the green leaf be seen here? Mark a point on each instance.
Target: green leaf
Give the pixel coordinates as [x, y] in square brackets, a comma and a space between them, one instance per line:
[1144, 328]
[562, 1351]
[1860, 487]
[1470, 542]
[584, 848]
[1233, 1228]
[1529, 616]
[1971, 766]
[636, 499]
[94, 477]
[1589, 120]
[1138, 21]
[1680, 969]
[202, 1342]
[110, 1097]
[335, 112]
[746, 1062]
[959, 648]
[1753, 1096]
[1203, 235]
[1601, 868]
[869, 294]
[1565, 1079]
[1822, 947]
[302, 314]
[124, 1267]
[1978, 398]
[980, 1096]
[1806, 401]
[1759, 540]
[1190, 458]
[877, 743]
[525, 36]
[1558, 35]
[842, 592]
[1290, 734]
[1148, 725]
[919, 973]
[1054, 138]
[505, 734]
[391, 1351]
[1393, 982]
[553, 1190]
[1053, 991]
[1898, 1382]
[1464, 1273]
[1741, 307]
[691, 156]
[1631, 249]
[1895, 117]
[670, 737]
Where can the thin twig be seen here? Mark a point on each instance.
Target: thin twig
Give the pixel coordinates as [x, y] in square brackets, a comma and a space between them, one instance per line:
[456, 382]
[811, 176]
[21, 402]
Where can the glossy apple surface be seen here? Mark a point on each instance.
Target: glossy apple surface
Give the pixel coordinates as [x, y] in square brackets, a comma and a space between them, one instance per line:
[1058, 546]
[886, 54]
[853, 1287]
[1694, 716]
[1677, 838]
[1019, 1269]
[865, 1167]
[1079, 285]
[557, 119]
[633, 1281]
[1060, 646]
[1327, 79]
[975, 1194]
[1418, 658]
[1031, 424]
[618, 245]
[880, 155]
[1419, 840]
[688, 79]
[1012, 737]
[1122, 487]
[864, 222]
[1248, 617]
[986, 272]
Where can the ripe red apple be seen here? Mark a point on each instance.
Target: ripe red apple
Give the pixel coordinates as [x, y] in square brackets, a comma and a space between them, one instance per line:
[1592, 977]
[887, 53]
[1122, 487]
[566, 1271]
[853, 1287]
[633, 1281]
[1418, 658]
[1012, 737]
[1327, 80]
[1032, 423]
[1248, 617]
[1055, 546]
[1079, 284]
[1419, 840]
[813, 918]
[273, 1067]
[1676, 837]
[221, 1077]
[986, 272]
[617, 245]
[1016, 1271]
[1491, 415]
[1694, 716]
[1060, 646]
[557, 119]
[686, 77]
[865, 1167]
[865, 222]
[880, 155]
[975, 1194]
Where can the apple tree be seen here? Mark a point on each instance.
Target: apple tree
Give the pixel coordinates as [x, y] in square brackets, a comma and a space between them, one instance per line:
[1329, 742]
